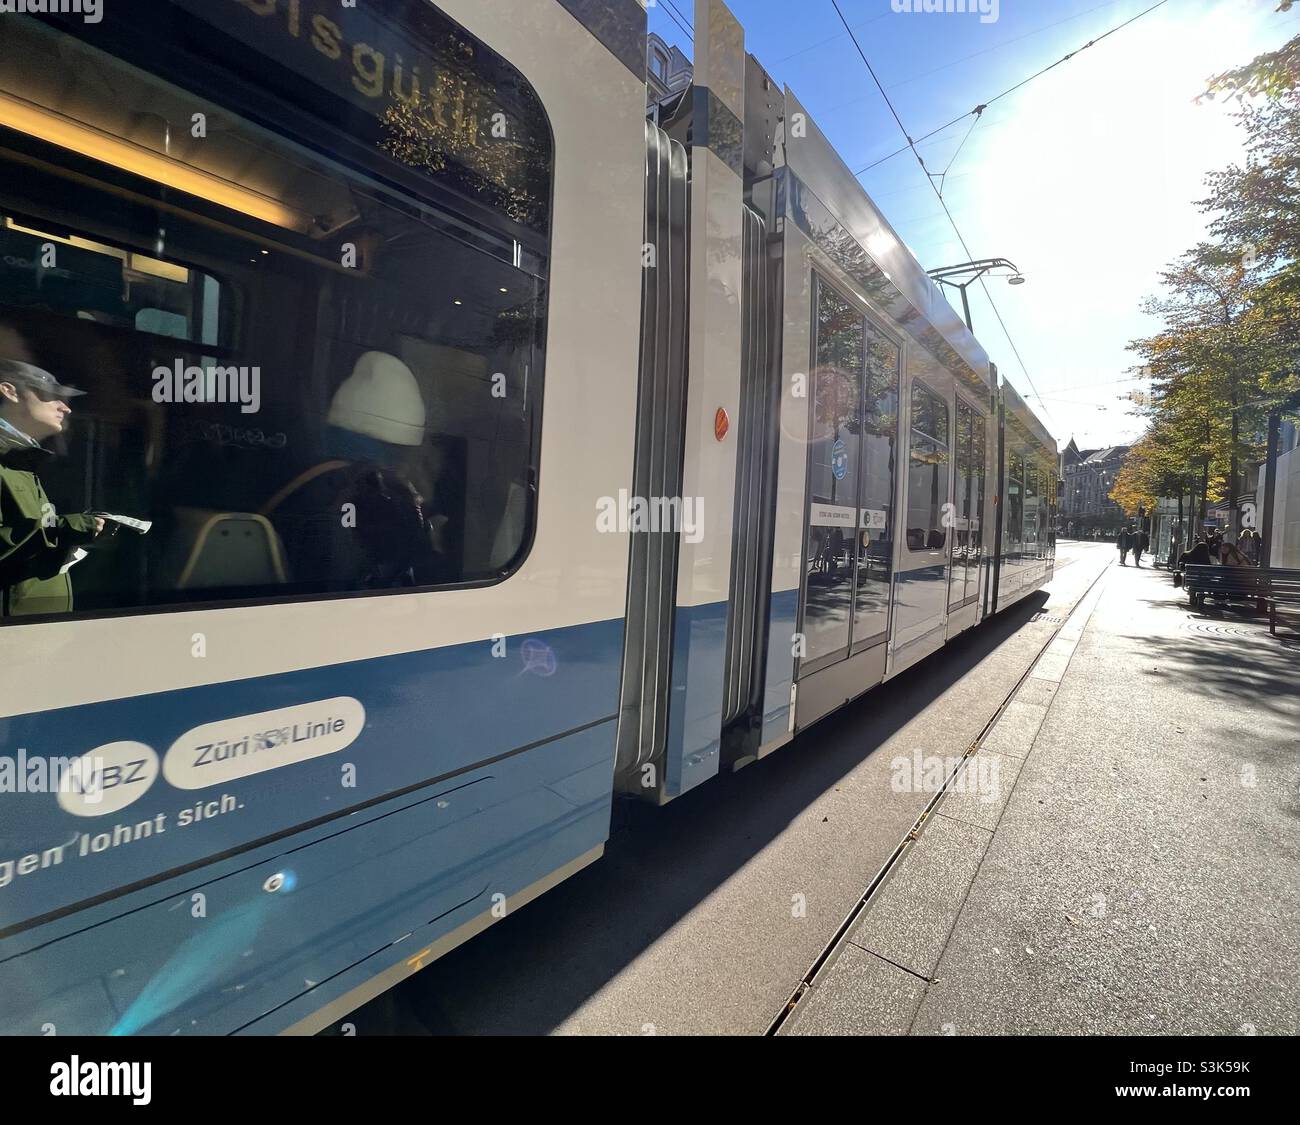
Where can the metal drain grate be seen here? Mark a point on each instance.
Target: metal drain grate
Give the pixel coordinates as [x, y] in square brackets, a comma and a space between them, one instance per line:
[1040, 616]
[1216, 630]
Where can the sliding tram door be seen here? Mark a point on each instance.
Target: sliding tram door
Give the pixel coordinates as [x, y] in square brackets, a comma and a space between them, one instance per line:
[848, 559]
[970, 462]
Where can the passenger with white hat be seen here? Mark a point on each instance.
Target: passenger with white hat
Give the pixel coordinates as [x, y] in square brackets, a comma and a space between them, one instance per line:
[354, 521]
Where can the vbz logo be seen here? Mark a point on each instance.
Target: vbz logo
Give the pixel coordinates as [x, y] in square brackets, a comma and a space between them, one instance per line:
[102, 778]
[108, 778]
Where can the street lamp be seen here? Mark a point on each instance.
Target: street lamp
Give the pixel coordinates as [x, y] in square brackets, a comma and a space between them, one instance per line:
[972, 272]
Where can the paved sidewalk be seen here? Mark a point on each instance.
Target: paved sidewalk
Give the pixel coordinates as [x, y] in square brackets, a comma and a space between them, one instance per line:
[1126, 856]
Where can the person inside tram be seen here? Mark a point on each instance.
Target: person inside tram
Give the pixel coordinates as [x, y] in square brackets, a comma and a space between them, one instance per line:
[355, 520]
[37, 545]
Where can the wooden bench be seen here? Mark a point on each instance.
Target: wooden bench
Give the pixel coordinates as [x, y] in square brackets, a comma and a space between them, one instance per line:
[1268, 588]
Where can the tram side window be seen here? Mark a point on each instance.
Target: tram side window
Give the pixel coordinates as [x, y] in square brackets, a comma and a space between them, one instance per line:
[979, 462]
[928, 471]
[876, 502]
[1015, 507]
[1031, 510]
[310, 381]
[968, 502]
[834, 450]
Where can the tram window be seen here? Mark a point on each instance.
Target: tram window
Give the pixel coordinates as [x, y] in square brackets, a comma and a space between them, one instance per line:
[875, 538]
[927, 481]
[834, 451]
[313, 376]
[1031, 510]
[1015, 506]
[968, 503]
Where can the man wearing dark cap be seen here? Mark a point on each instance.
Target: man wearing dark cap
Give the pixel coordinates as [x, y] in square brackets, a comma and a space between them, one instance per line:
[36, 543]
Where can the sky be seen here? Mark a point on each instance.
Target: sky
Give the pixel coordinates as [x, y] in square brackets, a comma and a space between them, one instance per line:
[1086, 177]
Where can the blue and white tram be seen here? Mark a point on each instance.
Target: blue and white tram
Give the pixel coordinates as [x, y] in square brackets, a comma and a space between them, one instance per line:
[504, 451]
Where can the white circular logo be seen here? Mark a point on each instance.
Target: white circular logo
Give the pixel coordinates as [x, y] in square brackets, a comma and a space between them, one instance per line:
[107, 778]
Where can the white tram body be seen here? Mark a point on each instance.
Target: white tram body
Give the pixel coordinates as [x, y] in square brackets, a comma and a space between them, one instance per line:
[702, 453]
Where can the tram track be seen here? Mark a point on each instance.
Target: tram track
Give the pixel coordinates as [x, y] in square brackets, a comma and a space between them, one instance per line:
[864, 902]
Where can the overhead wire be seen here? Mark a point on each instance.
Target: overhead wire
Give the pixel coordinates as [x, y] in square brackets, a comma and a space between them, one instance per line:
[679, 19]
[823, 42]
[943, 203]
[943, 176]
[979, 109]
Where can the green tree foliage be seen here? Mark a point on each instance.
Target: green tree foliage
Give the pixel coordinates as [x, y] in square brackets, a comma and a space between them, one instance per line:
[1228, 350]
[1272, 74]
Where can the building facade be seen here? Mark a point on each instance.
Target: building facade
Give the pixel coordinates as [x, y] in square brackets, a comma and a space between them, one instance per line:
[1089, 474]
[668, 71]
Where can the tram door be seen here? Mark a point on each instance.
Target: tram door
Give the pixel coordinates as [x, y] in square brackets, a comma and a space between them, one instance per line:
[969, 454]
[852, 437]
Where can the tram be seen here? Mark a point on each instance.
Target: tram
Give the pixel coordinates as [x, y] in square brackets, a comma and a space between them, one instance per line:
[486, 450]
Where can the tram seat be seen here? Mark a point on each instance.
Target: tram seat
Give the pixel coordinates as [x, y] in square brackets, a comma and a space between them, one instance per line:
[214, 550]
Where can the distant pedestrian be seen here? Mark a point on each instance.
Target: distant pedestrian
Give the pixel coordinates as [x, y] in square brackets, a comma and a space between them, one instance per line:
[1199, 555]
[1232, 555]
[1214, 543]
[1250, 544]
[1125, 543]
[1141, 541]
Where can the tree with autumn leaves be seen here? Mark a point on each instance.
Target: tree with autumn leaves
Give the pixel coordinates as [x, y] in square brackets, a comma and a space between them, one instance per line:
[1228, 349]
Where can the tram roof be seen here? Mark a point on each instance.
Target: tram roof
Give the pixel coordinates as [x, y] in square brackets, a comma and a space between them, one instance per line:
[892, 276]
[1019, 413]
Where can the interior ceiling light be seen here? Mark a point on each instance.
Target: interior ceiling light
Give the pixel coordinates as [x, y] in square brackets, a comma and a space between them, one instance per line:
[58, 130]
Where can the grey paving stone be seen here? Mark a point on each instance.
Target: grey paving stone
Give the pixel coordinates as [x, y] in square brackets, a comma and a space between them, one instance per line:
[1145, 875]
[980, 792]
[1037, 692]
[858, 994]
[1050, 666]
[909, 918]
[1015, 732]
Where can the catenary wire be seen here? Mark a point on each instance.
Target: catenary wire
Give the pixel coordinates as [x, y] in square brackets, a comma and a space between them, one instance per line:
[943, 203]
[683, 27]
[979, 109]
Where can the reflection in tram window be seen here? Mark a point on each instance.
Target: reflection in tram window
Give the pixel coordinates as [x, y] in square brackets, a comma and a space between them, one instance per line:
[927, 483]
[355, 342]
[968, 503]
[833, 463]
[1015, 518]
[876, 500]
[1030, 540]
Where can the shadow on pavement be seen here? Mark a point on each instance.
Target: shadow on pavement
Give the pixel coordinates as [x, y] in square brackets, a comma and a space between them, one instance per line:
[660, 863]
[1253, 667]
